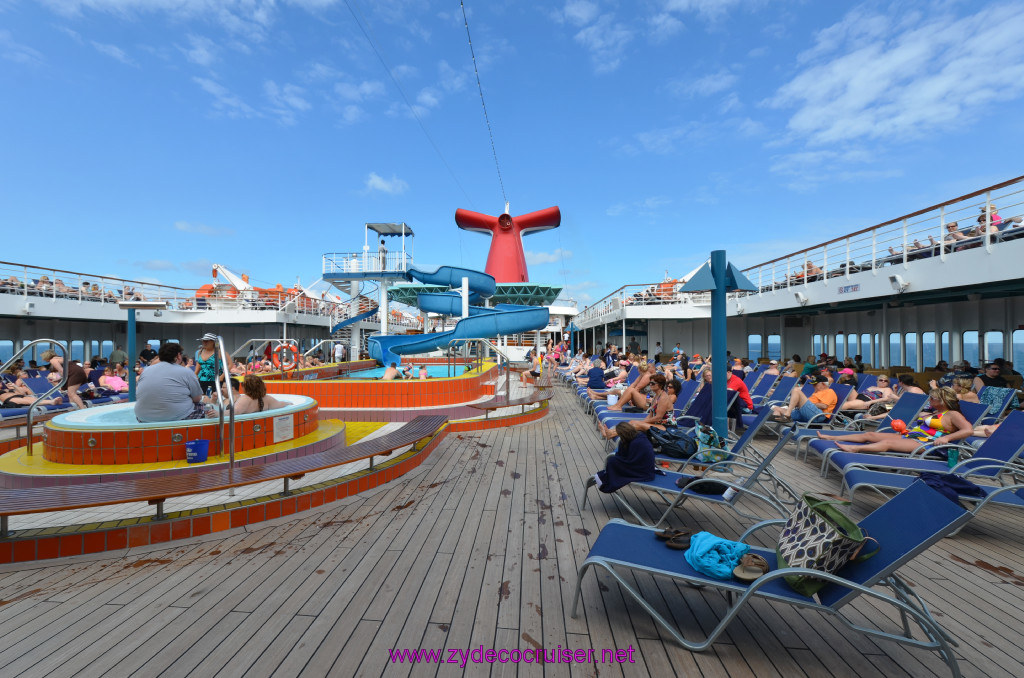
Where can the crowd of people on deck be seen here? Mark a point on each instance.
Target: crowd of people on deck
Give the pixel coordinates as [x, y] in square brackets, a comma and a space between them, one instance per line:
[656, 385]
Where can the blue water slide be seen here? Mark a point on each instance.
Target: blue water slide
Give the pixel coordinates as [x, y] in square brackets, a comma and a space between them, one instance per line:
[482, 321]
[354, 319]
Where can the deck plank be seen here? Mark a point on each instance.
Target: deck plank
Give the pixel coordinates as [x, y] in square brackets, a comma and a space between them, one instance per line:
[480, 545]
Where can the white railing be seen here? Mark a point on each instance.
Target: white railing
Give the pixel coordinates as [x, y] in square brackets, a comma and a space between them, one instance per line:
[656, 294]
[938, 231]
[366, 262]
[39, 283]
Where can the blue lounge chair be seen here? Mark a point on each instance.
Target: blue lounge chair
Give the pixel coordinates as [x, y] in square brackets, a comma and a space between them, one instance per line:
[996, 455]
[905, 409]
[905, 526]
[761, 483]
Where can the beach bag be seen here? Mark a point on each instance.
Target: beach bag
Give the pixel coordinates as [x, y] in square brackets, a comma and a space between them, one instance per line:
[709, 446]
[877, 409]
[818, 536]
[674, 442]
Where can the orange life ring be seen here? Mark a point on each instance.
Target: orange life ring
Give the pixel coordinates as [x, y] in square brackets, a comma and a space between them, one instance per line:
[281, 364]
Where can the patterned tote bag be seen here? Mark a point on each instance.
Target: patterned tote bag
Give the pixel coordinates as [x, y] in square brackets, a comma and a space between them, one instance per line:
[819, 536]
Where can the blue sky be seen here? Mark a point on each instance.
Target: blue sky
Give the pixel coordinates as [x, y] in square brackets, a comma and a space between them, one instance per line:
[149, 138]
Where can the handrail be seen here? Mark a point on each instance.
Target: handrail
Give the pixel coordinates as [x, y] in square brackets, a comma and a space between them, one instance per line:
[222, 370]
[486, 341]
[910, 215]
[56, 387]
[325, 341]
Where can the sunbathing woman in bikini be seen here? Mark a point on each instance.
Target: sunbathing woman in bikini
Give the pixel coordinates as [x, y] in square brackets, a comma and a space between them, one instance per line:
[944, 425]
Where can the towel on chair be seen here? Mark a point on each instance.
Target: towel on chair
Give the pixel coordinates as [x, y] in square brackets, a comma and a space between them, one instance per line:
[714, 556]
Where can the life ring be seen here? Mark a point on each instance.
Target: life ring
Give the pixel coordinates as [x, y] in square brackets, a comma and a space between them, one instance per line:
[283, 364]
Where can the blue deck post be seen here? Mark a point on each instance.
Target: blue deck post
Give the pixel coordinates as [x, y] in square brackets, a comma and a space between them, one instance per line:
[131, 355]
[718, 344]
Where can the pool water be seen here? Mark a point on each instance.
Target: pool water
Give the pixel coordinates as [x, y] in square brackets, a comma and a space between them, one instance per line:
[433, 371]
[123, 416]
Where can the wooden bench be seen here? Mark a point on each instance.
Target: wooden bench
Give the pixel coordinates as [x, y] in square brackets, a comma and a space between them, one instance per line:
[497, 402]
[157, 490]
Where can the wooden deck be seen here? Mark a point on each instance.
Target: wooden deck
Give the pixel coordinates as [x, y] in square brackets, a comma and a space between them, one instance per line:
[478, 547]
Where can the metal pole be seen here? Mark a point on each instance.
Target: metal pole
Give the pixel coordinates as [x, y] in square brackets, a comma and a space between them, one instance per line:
[718, 344]
[133, 356]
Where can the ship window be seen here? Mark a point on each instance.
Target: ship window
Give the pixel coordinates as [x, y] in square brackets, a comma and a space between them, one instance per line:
[971, 347]
[928, 355]
[877, 358]
[910, 349]
[94, 349]
[865, 350]
[947, 347]
[894, 349]
[106, 347]
[1018, 347]
[753, 346]
[839, 345]
[6, 350]
[993, 345]
[817, 344]
[77, 350]
[775, 346]
[154, 344]
[852, 348]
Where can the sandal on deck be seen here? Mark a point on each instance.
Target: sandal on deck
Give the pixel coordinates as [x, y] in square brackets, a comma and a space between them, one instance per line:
[680, 542]
[671, 534]
[751, 567]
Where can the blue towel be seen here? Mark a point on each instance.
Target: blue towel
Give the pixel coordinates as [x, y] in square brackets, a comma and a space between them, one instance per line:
[714, 556]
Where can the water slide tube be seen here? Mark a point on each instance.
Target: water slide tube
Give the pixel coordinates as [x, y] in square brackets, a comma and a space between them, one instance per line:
[482, 321]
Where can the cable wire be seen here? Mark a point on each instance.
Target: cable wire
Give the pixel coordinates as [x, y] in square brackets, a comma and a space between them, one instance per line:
[405, 98]
[480, 88]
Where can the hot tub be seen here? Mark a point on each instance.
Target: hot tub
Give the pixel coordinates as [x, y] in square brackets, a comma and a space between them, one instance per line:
[111, 434]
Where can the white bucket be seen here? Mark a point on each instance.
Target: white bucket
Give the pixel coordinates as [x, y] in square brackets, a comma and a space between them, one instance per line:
[612, 398]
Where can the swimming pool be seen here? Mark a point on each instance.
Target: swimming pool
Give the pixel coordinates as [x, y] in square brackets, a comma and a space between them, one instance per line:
[434, 371]
[123, 416]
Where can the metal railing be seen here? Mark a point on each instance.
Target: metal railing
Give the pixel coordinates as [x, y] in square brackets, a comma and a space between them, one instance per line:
[366, 262]
[36, 283]
[222, 371]
[482, 344]
[53, 389]
[984, 218]
[648, 294]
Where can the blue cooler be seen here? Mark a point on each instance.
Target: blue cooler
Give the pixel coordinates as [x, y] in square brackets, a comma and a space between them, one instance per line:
[196, 451]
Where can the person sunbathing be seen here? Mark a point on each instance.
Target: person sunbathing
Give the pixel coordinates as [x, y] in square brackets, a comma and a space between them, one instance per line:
[962, 386]
[9, 398]
[908, 385]
[944, 425]
[659, 414]
[632, 394]
[879, 393]
[112, 382]
[802, 408]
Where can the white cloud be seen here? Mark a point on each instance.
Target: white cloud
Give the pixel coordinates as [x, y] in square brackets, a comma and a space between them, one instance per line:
[113, 51]
[713, 83]
[285, 101]
[402, 71]
[730, 103]
[451, 80]
[663, 26]
[202, 229]
[579, 12]
[578, 291]
[351, 114]
[428, 98]
[872, 77]
[606, 41]
[201, 51]
[225, 101]
[394, 186]
[646, 207]
[318, 72]
[664, 140]
[11, 50]
[710, 10]
[536, 258]
[157, 265]
[367, 89]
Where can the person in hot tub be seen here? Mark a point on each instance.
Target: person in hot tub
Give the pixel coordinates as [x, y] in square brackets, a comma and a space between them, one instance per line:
[255, 398]
[169, 391]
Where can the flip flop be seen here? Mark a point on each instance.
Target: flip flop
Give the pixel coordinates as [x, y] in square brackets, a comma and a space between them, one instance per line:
[680, 542]
[665, 535]
[751, 567]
